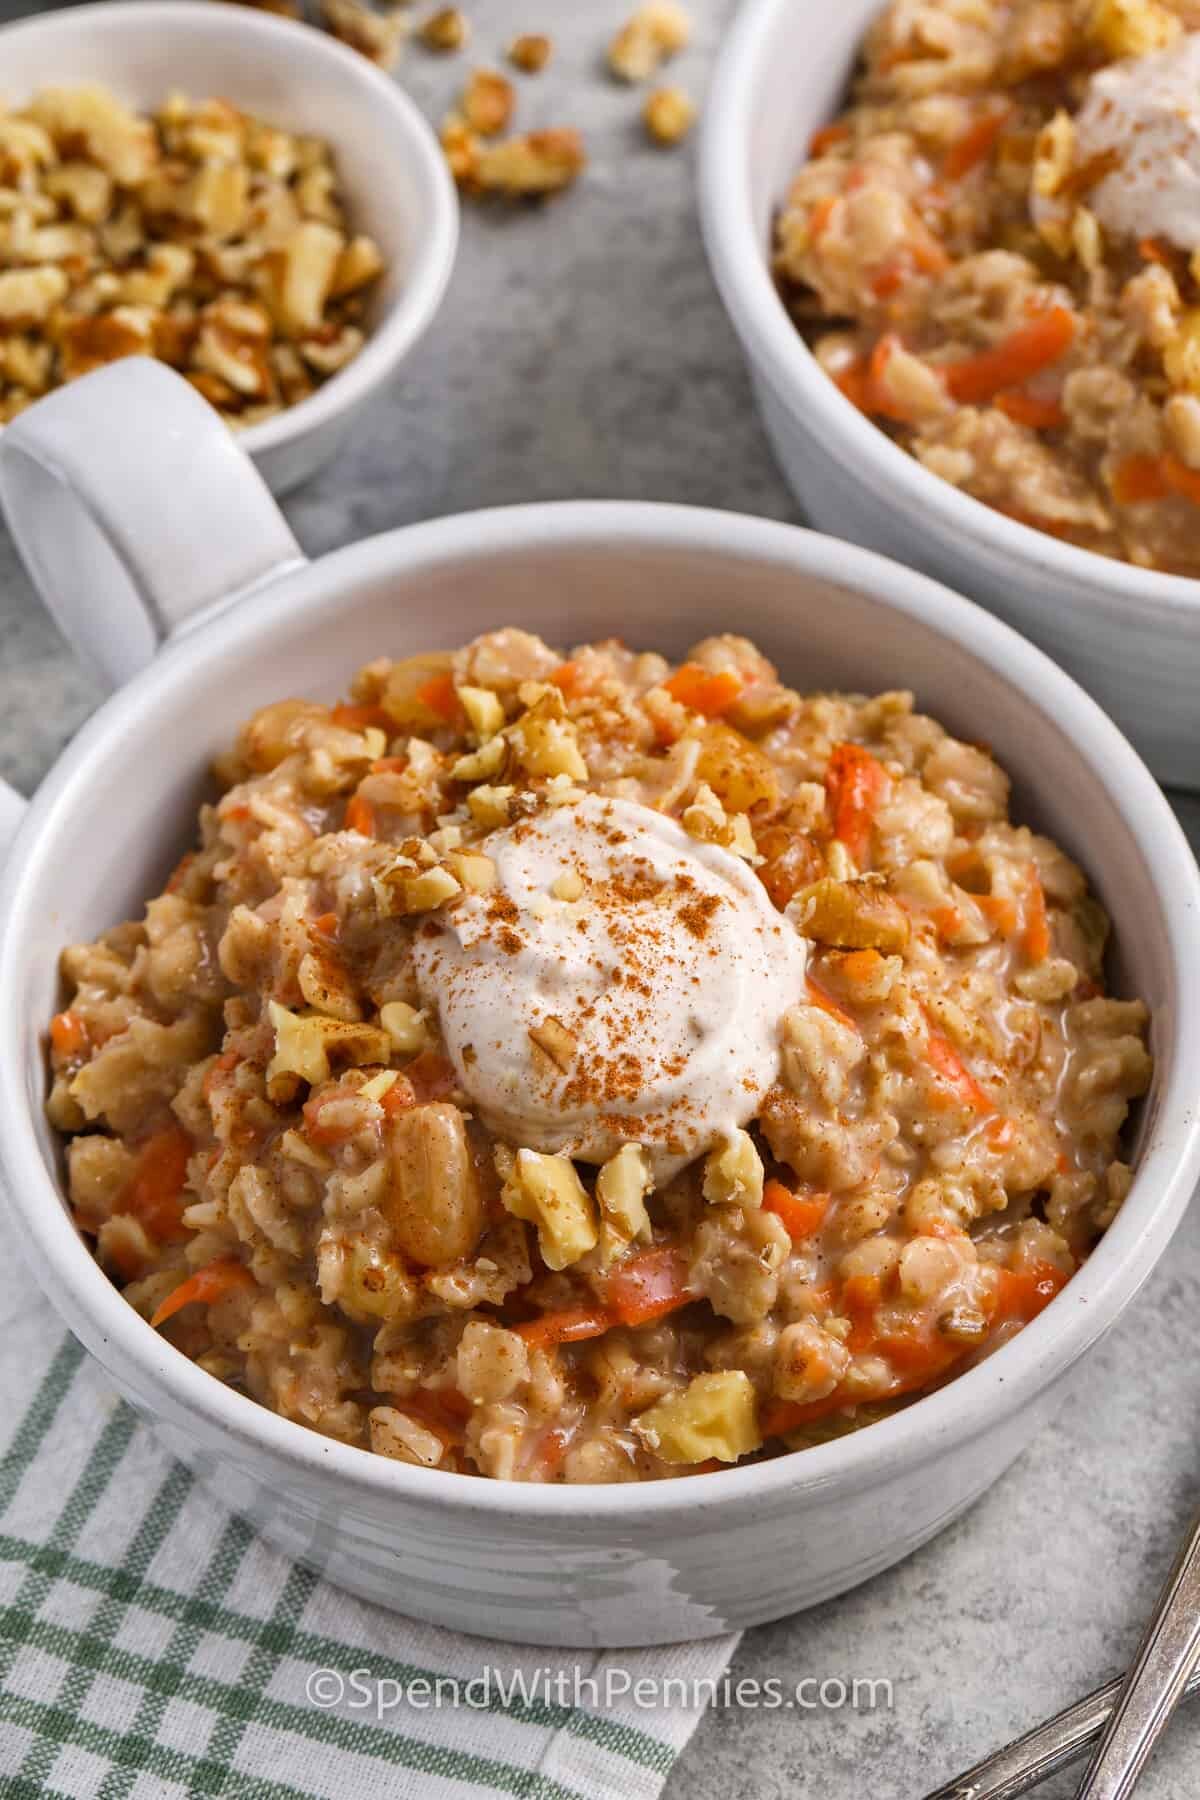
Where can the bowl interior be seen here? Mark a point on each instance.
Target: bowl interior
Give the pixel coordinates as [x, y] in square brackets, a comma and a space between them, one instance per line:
[286, 74]
[119, 809]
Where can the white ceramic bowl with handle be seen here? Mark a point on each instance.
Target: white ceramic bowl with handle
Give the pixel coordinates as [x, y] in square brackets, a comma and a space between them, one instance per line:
[214, 602]
[394, 177]
[1131, 636]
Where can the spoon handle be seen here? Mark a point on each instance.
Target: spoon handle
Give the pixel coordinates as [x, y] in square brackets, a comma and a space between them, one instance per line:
[1154, 1686]
[1012, 1771]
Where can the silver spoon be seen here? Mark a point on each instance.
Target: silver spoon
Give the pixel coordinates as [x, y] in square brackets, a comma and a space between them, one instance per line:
[1166, 1658]
[1051, 1746]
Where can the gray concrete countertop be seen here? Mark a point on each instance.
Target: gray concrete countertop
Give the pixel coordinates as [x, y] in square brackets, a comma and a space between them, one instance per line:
[582, 352]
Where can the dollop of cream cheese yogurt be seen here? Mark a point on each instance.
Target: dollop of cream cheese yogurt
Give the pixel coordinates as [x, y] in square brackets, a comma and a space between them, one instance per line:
[620, 983]
[1143, 115]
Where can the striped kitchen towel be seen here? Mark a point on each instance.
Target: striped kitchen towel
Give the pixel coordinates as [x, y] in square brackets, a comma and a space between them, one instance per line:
[152, 1647]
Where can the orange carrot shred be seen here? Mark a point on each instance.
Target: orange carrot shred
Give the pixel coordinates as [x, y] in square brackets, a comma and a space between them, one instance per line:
[68, 1034]
[949, 1066]
[818, 997]
[1138, 479]
[358, 718]
[1031, 409]
[440, 697]
[152, 1193]
[649, 1285]
[1181, 479]
[828, 135]
[855, 783]
[1035, 936]
[570, 1326]
[802, 1214]
[360, 816]
[976, 144]
[704, 690]
[1045, 337]
[208, 1284]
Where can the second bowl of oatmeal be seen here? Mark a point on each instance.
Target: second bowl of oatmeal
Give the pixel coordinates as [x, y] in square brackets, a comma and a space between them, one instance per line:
[238, 194]
[967, 350]
[502, 1162]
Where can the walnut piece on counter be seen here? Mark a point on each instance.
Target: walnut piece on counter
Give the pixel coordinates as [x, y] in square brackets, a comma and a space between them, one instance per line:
[487, 102]
[657, 30]
[199, 235]
[377, 36]
[668, 115]
[530, 52]
[446, 30]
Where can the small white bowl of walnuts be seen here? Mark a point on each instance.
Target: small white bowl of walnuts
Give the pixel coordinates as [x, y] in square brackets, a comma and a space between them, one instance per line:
[244, 198]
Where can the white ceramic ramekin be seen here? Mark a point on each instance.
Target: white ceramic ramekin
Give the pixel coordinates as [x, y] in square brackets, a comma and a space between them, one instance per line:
[580, 1566]
[394, 175]
[1131, 636]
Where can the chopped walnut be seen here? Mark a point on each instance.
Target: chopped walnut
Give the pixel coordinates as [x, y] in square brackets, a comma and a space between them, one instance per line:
[530, 52]
[487, 102]
[537, 163]
[377, 36]
[669, 115]
[447, 29]
[656, 31]
[199, 235]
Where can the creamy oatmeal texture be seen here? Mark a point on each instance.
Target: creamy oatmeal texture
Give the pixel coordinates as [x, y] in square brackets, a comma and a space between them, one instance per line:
[594, 1069]
[994, 251]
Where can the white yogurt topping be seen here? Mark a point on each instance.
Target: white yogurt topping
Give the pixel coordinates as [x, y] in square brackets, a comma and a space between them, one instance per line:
[1146, 111]
[659, 989]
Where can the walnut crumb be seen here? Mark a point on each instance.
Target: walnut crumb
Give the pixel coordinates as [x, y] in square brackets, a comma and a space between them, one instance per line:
[372, 34]
[657, 30]
[668, 115]
[447, 29]
[530, 53]
[487, 102]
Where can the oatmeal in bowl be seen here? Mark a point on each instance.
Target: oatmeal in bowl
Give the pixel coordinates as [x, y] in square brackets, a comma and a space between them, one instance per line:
[994, 250]
[583, 1068]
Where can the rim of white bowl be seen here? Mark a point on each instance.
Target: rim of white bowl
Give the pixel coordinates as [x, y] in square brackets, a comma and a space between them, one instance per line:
[968, 1405]
[772, 341]
[432, 258]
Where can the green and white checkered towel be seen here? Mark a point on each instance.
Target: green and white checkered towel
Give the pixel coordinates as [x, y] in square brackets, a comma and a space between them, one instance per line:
[152, 1647]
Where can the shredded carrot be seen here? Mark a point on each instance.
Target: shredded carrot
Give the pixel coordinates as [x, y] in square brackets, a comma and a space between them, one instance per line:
[1152, 250]
[432, 1076]
[399, 1097]
[1031, 409]
[440, 697]
[1035, 934]
[929, 255]
[211, 1283]
[567, 1327]
[68, 1034]
[1137, 479]
[818, 997]
[1024, 1293]
[178, 874]
[855, 382]
[550, 1450]
[861, 1294]
[918, 1352]
[326, 924]
[999, 911]
[880, 399]
[949, 1066]
[888, 280]
[358, 718]
[649, 1286]
[704, 690]
[860, 966]
[434, 1411]
[567, 676]
[976, 144]
[802, 1214]
[1045, 337]
[828, 135]
[947, 921]
[228, 1059]
[389, 765]
[152, 1193]
[821, 216]
[855, 783]
[1000, 1133]
[360, 816]
[1181, 479]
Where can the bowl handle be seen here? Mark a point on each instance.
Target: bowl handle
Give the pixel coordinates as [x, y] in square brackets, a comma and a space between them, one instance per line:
[136, 512]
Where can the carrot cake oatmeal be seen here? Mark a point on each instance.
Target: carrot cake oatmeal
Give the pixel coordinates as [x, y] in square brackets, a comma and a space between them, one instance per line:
[994, 251]
[597, 1070]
